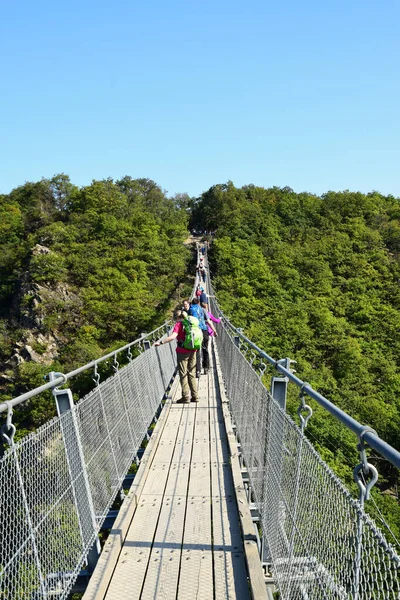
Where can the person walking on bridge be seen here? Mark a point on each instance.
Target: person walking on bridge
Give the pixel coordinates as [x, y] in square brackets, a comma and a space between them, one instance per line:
[203, 297]
[186, 360]
[197, 311]
[211, 332]
[202, 272]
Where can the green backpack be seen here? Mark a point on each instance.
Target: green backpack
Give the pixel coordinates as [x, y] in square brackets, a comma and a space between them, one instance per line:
[193, 333]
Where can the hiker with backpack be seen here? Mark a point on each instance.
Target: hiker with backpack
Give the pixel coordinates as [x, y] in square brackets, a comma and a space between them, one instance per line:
[189, 338]
[204, 321]
[211, 332]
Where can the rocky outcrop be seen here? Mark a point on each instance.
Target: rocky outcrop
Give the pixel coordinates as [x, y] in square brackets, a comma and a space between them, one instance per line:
[39, 312]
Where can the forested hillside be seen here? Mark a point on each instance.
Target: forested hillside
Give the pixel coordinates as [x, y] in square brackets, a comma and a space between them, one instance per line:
[317, 279]
[83, 270]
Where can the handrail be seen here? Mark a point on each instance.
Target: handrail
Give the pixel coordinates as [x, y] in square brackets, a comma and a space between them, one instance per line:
[9, 404]
[361, 431]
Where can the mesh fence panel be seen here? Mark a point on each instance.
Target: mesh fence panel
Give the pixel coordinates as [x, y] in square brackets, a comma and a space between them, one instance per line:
[58, 483]
[321, 542]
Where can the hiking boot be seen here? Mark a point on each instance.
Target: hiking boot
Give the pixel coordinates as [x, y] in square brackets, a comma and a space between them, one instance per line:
[206, 371]
[183, 401]
[198, 373]
[194, 400]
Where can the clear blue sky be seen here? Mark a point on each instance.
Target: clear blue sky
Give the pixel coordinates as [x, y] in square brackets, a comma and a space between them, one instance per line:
[190, 94]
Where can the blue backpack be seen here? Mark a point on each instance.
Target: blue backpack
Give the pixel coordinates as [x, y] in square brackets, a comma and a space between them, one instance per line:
[197, 311]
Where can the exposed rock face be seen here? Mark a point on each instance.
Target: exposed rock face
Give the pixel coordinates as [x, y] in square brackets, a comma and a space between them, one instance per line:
[38, 249]
[39, 311]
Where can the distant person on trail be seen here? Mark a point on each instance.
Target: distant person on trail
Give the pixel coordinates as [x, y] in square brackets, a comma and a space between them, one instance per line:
[203, 249]
[202, 272]
[203, 297]
[186, 360]
[197, 311]
[211, 317]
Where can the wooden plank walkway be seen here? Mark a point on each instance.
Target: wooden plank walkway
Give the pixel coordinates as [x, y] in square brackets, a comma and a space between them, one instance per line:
[179, 537]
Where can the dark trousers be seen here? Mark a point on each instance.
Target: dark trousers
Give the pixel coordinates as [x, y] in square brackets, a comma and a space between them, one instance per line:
[205, 351]
[198, 363]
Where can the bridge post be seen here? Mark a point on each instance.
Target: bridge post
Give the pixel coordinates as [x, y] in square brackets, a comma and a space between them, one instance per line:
[279, 385]
[77, 471]
[146, 343]
[273, 458]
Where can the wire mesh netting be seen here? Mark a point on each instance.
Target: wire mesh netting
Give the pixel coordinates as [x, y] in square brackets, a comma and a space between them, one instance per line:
[58, 483]
[321, 542]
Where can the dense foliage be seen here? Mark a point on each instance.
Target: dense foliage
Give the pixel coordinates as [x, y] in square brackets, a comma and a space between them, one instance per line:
[317, 279]
[87, 268]
[312, 278]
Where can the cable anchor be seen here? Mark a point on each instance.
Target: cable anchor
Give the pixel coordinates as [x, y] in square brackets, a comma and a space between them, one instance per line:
[364, 468]
[263, 367]
[7, 431]
[96, 375]
[304, 408]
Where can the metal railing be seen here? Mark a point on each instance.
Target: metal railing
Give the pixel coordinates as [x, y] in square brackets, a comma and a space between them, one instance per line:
[58, 483]
[321, 542]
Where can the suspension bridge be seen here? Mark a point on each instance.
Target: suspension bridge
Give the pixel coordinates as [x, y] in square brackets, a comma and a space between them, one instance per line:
[229, 499]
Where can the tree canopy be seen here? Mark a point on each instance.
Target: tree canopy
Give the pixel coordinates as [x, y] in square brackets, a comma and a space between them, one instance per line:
[317, 279]
[312, 278]
[85, 267]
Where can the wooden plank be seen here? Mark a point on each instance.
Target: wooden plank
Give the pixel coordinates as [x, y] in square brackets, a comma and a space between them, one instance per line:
[231, 579]
[199, 483]
[229, 557]
[165, 449]
[163, 569]
[203, 392]
[196, 577]
[177, 484]
[128, 576]
[201, 448]
[254, 567]
[230, 570]
[182, 426]
[164, 563]
[185, 428]
[175, 415]
[201, 442]
[221, 480]
[219, 450]
[226, 524]
[108, 559]
[218, 442]
[156, 478]
[183, 450]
